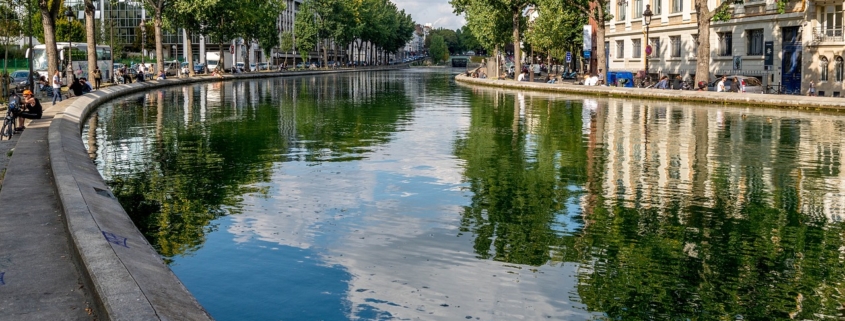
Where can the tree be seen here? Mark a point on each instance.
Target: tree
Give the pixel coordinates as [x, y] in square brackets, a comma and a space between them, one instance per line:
[256, 20]
[438, 50]
[194, 16]
[286, 43]
[49, 9]
[158, 14]
[704, 17]
[555, 26]
[305, 30]
[596, 10]
[9, 28]
[467, 39]
[513, 8]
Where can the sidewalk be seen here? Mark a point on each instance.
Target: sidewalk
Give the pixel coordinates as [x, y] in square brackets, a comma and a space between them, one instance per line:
[38, 278]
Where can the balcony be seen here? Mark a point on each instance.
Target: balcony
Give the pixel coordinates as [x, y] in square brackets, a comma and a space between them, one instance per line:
[827, 35]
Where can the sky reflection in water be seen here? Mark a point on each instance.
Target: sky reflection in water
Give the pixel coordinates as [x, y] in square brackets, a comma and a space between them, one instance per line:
[404, 196]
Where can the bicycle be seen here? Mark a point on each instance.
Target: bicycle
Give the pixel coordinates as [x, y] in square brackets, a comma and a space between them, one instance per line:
[8, 129]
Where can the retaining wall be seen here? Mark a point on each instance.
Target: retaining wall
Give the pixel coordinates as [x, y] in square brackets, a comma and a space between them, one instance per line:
[748, 99]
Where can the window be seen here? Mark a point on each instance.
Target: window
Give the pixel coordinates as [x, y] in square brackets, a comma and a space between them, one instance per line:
[637, 48]
[755, 42]
[677, 6]
[695, 45]
[837, 67]
[638, 9]
[675, 41]
[657, 8]
[655, 47]
[620, 49]
[824, 66]
[725, 44]
[830, 19]
[621, 7]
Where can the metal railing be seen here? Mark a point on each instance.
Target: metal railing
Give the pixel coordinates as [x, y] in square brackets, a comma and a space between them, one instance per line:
[822, 35]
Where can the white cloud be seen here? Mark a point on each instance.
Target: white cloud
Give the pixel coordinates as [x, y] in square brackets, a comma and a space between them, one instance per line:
[437, 12]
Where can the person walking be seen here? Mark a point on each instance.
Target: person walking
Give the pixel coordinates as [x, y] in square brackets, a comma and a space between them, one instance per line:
[720, 87]
[57, 87]
[735, 85]
[98, 76]
[812, 90]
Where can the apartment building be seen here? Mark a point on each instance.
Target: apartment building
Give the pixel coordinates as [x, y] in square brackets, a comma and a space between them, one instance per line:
[802, 39]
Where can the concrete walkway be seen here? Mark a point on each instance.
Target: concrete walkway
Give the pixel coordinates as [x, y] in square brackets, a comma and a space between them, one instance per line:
[38, 278]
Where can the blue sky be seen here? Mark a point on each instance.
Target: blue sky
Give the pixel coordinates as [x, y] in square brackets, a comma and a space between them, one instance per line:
[437, 12]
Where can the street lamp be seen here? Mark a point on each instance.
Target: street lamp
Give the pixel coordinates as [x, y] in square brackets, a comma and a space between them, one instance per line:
[647, 21]
[69, 14]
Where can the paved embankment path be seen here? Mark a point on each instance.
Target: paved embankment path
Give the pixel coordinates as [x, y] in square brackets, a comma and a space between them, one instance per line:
[68, 250]
[747, 99]
[38, 277]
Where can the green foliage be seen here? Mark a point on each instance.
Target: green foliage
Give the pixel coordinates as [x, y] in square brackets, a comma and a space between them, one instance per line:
[490, 26]
[287, 41]
[306, 29]
[449, 36]
[149, 38]
[557, 25]
[467, 39]
[438, 50]
[10, 21]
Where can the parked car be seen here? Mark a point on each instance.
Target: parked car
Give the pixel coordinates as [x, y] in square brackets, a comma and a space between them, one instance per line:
[199, 68]
[171, 68]
[263, 66]
[752, 84]
[20, 80]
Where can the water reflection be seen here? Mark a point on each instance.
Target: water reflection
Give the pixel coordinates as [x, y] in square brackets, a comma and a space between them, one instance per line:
[404, 196]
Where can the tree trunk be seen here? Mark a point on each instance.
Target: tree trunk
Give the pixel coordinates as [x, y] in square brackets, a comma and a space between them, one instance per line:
[517, 14]
[358, 57]
[248, 46]
[48, 12]
[601, 57]
[325, 53]
[189, 53]
[89, 34]
[702, 61]
[702, 64]
[159, 52]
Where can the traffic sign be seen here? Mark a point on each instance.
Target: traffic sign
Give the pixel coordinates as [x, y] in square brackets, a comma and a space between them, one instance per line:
[568, 57]
[587, 54]
[648, 50]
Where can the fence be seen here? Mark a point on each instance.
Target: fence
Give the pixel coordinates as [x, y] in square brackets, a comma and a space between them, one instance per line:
[14, 64]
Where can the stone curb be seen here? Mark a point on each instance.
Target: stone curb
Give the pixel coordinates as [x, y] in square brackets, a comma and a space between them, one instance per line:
[766, 100]
[128, 278]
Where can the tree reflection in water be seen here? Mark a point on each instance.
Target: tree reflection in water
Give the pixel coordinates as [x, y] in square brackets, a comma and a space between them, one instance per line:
[688, 213]
[671, 211]
[176, 172]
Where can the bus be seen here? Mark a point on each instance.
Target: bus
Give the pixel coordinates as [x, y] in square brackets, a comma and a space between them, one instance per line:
[80, 60]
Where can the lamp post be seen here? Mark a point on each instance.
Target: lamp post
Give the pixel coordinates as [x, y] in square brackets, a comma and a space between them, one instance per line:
[647, 21]
[143, 27]
[31, 52]
[69, 14]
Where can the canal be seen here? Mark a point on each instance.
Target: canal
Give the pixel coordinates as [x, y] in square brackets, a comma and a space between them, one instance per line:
[405, 196]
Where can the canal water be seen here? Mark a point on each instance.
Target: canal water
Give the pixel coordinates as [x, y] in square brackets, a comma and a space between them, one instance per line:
[405, 196]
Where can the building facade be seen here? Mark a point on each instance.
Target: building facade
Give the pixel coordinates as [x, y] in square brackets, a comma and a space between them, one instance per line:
[806, 36]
